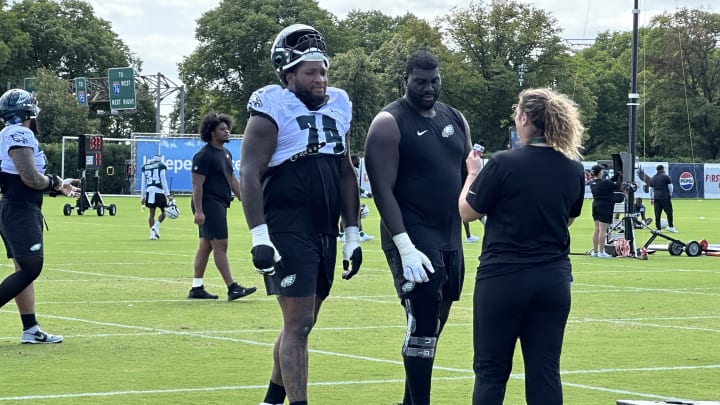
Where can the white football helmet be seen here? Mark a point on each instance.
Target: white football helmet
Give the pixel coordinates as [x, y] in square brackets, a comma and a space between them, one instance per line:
[172, 211]
[364, 210]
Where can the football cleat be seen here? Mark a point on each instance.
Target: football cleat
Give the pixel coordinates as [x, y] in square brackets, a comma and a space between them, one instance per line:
[40, 337]
[200, 293]
[237, 291]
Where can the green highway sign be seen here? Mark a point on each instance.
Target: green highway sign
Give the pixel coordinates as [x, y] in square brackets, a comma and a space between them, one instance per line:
[81, 90]
[29, 84]
[121, 86]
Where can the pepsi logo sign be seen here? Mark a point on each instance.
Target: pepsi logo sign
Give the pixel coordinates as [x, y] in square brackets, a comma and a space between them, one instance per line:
[686, 181]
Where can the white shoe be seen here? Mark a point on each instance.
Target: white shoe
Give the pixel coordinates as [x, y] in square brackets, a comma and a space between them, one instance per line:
[341, 237]
[472, 238]
[365, 237]
[593, 254]
[672, 229]
[603, 254]
[153, 234]
[40, 337]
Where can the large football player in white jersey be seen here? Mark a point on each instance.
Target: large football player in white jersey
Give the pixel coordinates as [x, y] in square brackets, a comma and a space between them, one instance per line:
[23, 181]
[297, 180]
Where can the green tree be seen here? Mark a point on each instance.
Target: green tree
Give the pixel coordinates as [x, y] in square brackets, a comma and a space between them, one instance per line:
[14, 46]
[232, 58]
[67, 38]
[683, 97]
[492, 42]
[600, 84]
[64, 39]
[353, 72]
[61, 113]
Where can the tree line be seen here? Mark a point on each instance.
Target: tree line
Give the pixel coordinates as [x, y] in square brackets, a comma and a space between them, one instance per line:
[480, 47]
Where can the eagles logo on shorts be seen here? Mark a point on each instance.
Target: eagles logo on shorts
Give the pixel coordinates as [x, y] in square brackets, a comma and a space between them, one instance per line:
[288, 281]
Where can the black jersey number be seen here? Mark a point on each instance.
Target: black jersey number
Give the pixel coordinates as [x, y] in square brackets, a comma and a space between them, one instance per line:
[332, 135]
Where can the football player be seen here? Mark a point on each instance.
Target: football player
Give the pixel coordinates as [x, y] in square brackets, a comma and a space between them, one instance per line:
[24, 181]
[154, 192]
[213, 182]
[415, 154]
[297, 182]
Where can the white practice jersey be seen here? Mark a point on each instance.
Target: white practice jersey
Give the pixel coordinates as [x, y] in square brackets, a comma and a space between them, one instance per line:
[301, 130]
[16, 135]
[153, 178]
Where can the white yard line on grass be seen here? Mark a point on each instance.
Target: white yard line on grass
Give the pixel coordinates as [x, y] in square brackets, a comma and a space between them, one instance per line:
[205, 335]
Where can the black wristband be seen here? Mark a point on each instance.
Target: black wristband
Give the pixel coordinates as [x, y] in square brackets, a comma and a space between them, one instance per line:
[54, 182]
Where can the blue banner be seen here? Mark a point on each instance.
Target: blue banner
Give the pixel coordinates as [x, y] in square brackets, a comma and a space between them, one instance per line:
[177, 154]
[687, 179]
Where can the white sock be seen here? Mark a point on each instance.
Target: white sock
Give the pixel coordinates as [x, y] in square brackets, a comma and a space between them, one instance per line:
[197, 282]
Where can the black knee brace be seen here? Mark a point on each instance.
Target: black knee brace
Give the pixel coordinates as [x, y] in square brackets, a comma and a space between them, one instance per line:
[421, 333]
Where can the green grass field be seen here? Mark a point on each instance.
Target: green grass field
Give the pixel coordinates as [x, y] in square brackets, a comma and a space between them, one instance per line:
[646, 330]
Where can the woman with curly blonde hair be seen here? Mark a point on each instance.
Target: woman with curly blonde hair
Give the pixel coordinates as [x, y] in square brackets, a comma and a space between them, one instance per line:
[530, 196]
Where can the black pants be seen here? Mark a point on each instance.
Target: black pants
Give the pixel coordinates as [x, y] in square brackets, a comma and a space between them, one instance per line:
[660, 206]
[531, 305]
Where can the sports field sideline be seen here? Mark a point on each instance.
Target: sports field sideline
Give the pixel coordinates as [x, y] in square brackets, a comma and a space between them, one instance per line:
[645, 330]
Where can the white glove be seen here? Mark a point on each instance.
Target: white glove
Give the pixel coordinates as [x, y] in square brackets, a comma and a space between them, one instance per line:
[415, 263]
[264, 254]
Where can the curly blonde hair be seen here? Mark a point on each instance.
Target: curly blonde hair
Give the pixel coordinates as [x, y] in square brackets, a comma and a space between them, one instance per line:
[556, 116]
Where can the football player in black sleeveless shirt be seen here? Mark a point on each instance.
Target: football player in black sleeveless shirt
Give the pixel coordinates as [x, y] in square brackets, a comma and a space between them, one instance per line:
[414, 154]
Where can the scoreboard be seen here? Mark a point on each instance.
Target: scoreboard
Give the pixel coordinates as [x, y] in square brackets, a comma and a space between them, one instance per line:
[90, 152]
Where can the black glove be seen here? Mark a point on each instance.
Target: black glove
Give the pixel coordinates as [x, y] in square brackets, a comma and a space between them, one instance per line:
[352, 253]
[355, 260]
[263, 257]
[264, 254]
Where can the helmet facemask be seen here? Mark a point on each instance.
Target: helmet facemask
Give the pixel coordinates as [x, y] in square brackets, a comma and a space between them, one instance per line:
[297, 43]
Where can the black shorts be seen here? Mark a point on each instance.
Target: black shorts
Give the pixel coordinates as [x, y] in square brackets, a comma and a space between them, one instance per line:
[21, 227]
[158, 202]
[448, 277]
[215, 226]
[602, 212]
[307, 267]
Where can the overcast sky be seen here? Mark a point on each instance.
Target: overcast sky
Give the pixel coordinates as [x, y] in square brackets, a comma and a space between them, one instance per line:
[162, 32]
